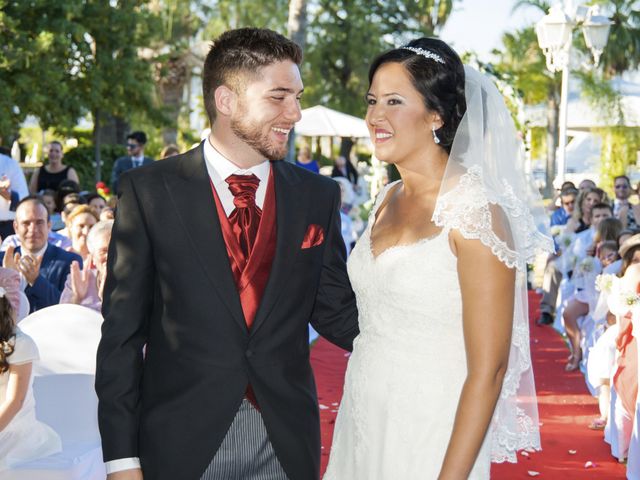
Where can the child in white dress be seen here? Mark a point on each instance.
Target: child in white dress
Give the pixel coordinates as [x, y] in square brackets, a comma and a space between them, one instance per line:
[22, 437]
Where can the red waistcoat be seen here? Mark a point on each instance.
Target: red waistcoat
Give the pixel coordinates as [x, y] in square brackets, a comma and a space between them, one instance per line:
[251, 275]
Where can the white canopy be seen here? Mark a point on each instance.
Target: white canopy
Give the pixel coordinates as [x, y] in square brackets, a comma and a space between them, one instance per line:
[321, 121]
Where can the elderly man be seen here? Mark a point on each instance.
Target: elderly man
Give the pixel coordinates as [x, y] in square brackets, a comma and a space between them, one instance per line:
[43, 267]
[84, 287]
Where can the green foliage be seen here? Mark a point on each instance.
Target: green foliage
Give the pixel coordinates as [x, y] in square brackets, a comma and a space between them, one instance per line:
[81, 159]
[61, 60]
[538, 143]
[346, 35]
[227, 14]
[521, 63]
[601, 96]
[620, 146]
[622, 52]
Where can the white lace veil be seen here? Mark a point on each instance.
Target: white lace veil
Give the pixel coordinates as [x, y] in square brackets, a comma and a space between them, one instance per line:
[486, 195]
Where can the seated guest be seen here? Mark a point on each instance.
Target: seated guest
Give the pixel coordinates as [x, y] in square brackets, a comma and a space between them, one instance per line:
[49, 198]
[70, 202]
[22, 437]
[43, 267]
[68, 188]
[54, 238]
[586, 184]
[9, 199]
[304, 160]
[581, 218]
[169, 151]
[567, 202]
[84, 287]
[80, 221]
[95, 201]
[107, 214]
[578, 305]
[624, 387]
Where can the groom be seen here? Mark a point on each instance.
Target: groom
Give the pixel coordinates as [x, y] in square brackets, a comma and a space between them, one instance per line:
[220, 258]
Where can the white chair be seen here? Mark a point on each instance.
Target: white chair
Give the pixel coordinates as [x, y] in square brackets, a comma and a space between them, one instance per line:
[67, 337]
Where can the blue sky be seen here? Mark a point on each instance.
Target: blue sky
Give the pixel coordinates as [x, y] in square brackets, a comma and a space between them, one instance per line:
[478, 25]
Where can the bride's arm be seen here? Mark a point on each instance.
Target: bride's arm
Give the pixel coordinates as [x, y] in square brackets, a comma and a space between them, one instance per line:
[487, 287]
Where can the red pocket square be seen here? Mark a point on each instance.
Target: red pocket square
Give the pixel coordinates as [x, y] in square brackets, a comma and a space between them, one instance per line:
[313, 237]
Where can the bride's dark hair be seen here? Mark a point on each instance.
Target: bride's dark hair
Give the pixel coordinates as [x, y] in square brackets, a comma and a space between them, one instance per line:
[440, 84]
[7, 333]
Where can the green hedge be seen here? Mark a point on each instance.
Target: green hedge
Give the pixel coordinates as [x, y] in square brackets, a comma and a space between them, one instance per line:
[82, 160]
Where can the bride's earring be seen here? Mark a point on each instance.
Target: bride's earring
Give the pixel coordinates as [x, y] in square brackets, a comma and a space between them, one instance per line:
[436, 140]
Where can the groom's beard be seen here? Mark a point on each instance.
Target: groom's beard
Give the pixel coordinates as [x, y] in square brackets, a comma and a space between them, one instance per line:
[257, 137]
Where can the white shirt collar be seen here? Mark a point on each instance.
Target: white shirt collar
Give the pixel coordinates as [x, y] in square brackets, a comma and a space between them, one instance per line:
[220, 168]
[40, 252]
[223, 167]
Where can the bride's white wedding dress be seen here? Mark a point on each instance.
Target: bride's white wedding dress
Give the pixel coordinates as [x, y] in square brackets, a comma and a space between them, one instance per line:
[408, 365]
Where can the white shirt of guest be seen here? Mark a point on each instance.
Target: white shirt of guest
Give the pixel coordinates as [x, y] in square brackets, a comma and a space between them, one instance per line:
[582, 242]
[219, 169]
[10, 168]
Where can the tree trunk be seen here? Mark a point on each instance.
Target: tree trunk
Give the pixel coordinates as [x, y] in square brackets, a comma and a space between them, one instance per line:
[96, 145]
[171, 78]
[297, 29]
[552, 144]
[346, 144]
[172, 102]
[113, 130]
[297, 24]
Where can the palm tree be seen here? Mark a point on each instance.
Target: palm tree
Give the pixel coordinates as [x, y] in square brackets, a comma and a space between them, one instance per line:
[622, 52]
[522, 64]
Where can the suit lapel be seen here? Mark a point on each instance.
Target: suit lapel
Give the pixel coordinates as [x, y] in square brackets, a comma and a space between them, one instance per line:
[291, 208]
[190, 191]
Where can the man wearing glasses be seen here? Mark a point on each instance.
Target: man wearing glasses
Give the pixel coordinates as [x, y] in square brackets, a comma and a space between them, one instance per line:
[622, 209]
[135, 157]
[552, 274]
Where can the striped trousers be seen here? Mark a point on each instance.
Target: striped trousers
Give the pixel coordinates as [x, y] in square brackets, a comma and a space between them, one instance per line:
[246, 452]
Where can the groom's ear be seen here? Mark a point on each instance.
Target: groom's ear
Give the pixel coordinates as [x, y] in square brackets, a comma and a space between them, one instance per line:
[225, 100]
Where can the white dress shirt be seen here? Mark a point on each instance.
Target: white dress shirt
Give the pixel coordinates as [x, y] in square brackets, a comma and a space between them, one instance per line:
[219, 168]
[10, 168]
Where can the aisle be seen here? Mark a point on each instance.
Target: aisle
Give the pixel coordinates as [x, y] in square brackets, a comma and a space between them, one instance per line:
[565, 411]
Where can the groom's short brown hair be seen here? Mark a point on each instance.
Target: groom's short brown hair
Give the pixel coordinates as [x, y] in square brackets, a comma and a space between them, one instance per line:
[237, 54]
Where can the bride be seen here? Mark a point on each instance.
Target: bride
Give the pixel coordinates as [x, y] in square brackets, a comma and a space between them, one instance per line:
[440, 382]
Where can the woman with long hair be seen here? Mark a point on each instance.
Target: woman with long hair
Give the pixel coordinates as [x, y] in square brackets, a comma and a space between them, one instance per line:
[581, 218]
[431, 389]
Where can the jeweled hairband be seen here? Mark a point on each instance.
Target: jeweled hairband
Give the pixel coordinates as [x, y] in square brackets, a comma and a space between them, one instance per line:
[425, 53]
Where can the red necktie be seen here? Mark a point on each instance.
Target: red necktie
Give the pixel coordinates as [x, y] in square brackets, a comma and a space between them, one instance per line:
[245, 218]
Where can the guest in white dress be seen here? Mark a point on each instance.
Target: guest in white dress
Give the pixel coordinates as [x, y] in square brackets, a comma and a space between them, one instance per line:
[431, 389]
[22, 436]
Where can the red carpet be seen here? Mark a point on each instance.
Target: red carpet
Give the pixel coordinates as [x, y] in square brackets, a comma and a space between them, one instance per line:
[566, 408]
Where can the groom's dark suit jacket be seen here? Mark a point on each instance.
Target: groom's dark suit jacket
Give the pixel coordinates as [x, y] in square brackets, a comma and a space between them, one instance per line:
[170, 287]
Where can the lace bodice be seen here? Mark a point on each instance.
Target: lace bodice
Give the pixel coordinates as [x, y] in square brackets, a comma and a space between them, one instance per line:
[408, 367]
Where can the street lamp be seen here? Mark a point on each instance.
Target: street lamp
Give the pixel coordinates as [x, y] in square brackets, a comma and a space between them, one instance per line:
[554, 33]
